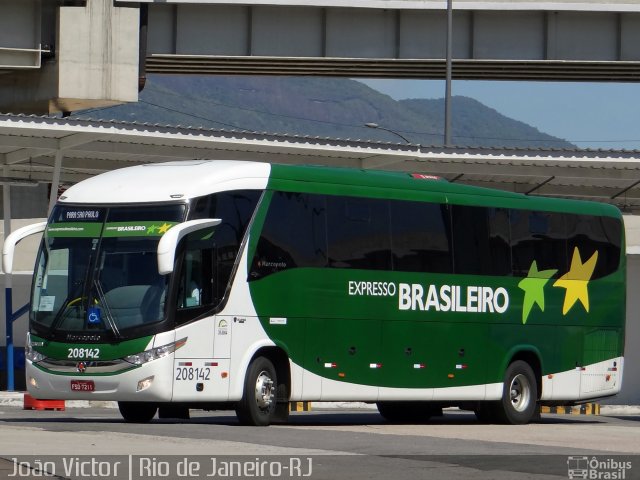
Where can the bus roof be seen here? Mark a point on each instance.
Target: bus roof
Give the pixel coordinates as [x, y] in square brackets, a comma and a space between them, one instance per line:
[170, 181]
[408, 186]
[181, 180]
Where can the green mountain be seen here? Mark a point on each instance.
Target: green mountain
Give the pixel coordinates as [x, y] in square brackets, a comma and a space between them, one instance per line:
[322, 107]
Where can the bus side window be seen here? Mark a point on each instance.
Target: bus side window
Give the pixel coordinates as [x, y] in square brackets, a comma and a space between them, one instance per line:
[197, 281]
[539, 236]
[421, 237]
[293, 235]
[235, 209]
[471, 247]
[590, 234]
[191, 280]
[499, 241]
[358, 233]
[481, 240]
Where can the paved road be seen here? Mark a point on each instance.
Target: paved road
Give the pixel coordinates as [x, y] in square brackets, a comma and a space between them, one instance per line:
[334, 444]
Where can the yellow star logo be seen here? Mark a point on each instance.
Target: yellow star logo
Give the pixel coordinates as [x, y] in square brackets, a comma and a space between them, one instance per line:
[164, 228]
[576, 281]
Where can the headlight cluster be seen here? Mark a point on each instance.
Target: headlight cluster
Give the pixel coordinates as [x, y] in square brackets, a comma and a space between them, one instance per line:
[30, 353]
[155, 353]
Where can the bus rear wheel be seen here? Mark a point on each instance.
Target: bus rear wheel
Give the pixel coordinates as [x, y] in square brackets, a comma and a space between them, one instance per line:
[137, 412]
[258, 405]
[519, 395]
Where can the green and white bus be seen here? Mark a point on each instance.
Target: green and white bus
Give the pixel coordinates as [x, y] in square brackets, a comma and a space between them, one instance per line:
[244, 285]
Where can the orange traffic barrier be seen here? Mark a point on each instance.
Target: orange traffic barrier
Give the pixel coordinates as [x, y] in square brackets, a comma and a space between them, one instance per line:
[31, 403]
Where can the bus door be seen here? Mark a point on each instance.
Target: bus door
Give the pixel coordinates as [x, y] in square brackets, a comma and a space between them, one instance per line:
[201, 370]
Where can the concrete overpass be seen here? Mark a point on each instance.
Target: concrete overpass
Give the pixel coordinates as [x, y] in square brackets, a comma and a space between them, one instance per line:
[65, 55]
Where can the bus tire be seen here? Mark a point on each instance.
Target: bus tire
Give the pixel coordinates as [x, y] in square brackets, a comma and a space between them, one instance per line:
[519, 395]
[406, 412]
[137, 412]
[258, 405]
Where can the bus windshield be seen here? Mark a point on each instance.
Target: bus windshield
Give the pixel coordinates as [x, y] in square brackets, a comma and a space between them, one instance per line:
[97, 275]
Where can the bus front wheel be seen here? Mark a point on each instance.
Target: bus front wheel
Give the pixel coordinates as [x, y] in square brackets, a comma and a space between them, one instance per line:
[519, 395]
[258, 405]
[137, 412]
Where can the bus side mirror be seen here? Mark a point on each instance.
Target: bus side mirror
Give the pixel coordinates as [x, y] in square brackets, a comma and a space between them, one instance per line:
[9, 247]
[169, 241]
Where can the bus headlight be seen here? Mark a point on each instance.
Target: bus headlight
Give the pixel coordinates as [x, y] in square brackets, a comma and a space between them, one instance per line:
[155, 353]
[31, 354]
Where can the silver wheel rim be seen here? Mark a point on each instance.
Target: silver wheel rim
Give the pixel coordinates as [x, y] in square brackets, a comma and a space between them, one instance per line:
[520, 393]
[265, 391]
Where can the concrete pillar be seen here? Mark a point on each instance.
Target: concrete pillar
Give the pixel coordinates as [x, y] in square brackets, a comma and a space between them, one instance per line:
[95, 63]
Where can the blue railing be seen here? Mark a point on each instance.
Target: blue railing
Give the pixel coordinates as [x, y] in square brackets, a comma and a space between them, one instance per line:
[11, 317]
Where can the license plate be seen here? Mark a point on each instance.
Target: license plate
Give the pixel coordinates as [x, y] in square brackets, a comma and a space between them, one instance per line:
[82, 386]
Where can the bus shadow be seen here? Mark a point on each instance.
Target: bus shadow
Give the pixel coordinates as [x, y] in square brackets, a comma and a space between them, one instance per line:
[630, 418]
[350, 418]
[321, 418]
[310, 419]
[56, 420]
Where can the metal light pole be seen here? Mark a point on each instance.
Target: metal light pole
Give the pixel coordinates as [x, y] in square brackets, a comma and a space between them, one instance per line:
[447, 93]
[375, 125]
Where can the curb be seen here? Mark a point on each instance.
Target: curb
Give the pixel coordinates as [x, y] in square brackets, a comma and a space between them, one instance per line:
[16, 399]
[299, 406]
[585, 409]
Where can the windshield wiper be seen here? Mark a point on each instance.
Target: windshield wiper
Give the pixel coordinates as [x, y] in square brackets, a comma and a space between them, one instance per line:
[63, 308]
[84, 294]
[109, 316]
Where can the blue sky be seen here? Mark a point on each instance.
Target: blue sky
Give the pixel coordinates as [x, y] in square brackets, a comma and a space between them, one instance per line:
[590, 115]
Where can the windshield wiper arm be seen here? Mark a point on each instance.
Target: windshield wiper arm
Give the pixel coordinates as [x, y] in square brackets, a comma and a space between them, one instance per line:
[103, 300]
[63, 308]
[84, 293]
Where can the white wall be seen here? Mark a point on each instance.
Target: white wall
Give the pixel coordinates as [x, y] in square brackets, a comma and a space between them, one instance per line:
[630, 394]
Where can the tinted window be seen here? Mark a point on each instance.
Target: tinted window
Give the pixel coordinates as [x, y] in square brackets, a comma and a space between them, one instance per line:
[499, 240]
[538, 236]
[303, 230]
[472, 253]
[590, 234]
[202, 283]
[160, 212]
[293, 235]
[420, 233]
[358, 233]
[235, 209]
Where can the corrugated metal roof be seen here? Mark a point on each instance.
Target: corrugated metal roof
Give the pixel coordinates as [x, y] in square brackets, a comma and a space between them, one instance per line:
[28, 145]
